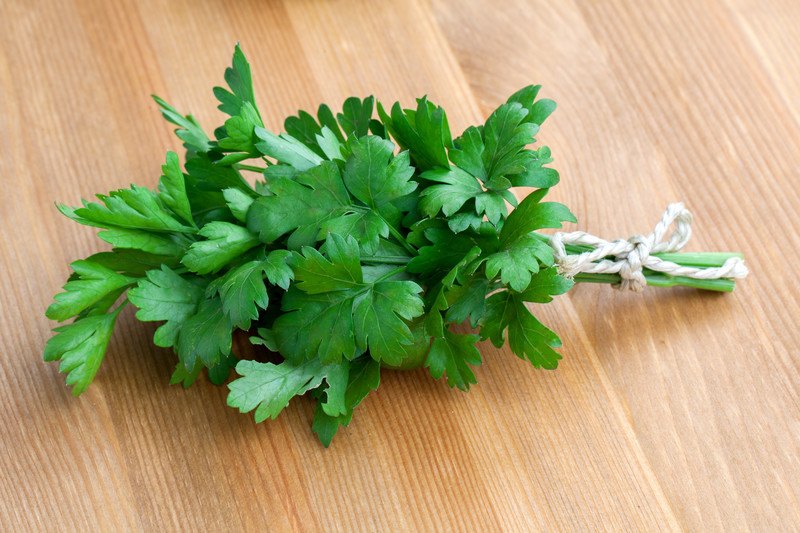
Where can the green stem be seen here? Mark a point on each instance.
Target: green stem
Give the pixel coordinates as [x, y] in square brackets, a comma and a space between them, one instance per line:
[655, 279]
[392, 230]
[661, 280]
[699, 259]
[397, 235]
[386, 259]
[242, 166]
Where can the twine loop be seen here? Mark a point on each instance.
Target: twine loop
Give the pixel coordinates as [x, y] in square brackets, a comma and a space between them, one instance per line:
[633, 255]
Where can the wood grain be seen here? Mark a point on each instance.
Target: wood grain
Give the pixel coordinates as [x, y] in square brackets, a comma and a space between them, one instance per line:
[671, 410]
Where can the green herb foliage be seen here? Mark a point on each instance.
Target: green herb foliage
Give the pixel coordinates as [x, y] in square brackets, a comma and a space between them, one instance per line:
[371, 239]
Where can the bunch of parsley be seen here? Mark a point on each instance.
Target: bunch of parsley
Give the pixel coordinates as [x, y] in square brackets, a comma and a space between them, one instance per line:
[368, 235]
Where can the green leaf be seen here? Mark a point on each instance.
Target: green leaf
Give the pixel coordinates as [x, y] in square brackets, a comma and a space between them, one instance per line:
[457, 188]
[186, 377]
[452, 354]
[300, 205]
[380, 316]
[305, 129]
[265, 338]
[424, 132]
[527, 337]
[364, 377]
[172, 188]
[240, 82]
[326, 426]
[467, 302]
[355, 116]
[329, 144]
[167, 296]
[323, 135]
[146, 241]
[440, 256]
[535, 173]
[206, 335]
[286, 149]
[538, 110]
[342, 271]
[366, 226]
[316, 325]
[277, 270]
[239, 134]
[80, 347]
[267, 387]
[546, 284]
[531, 214]
[134, 208]
[341, 314]
[518, 261]
[238, 202]
[506, 134]
[94, 283]
[467, 153]
[243, 292]
[335, 401]
[205, 175]
[134, 263]
[189, 130]
[219, 373]
[373, 175]
[225, 243]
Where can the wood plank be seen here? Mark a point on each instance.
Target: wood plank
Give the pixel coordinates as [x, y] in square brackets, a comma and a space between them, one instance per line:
[658, 105]
[672, 409]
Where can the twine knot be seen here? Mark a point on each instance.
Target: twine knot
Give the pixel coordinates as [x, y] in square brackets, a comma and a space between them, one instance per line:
[633, 255]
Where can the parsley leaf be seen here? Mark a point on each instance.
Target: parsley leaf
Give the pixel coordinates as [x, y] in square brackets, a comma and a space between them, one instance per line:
[546, 284]
[424, 132]
[457, 188]
[225, 243]
[319, 201]
[206, 335]
[240, 82]
[172, 188]
[286, 149]
[299, 205]
[373, 175]
[538, 110]
[146, 241]
[189, 130]
[135, 208]
[267, 387]
[80, 347]
[363, 377]
[165, 295]
[334, 313]
[94, 283]
[518, 261]
[527, 337]
[242, 289]
[532, 214]
[452, 354]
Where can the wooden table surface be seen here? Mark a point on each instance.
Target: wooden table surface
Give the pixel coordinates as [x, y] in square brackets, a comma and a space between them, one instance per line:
[672, 409]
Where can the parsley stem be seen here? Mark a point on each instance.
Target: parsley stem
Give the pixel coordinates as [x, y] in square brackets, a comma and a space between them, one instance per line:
[392, 230]
[661, 280]
[386, 259]
[397, 235]
[242, 166]
[655, 279]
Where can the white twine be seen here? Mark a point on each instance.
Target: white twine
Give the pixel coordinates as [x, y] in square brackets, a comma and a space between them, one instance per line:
[633, 255]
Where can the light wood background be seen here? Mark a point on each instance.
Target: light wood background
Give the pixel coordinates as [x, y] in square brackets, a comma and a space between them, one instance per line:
[672, 409]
